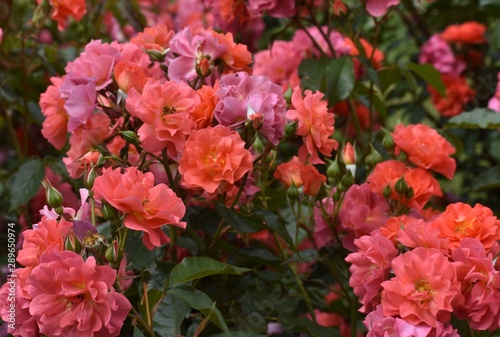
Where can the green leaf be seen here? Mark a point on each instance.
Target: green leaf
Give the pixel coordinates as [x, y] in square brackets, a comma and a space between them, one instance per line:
[487, 180]
[312, 73]
[138, 332]
[137, 253]
[340, 79]
[476, 119]
[192, 268]
[388, 77]
[301, 324]
[170, 314]
[25, 183]
[154, 297]
[200, 301]
[276, 224]
[243, 224]
[429, 74]
[484, 3]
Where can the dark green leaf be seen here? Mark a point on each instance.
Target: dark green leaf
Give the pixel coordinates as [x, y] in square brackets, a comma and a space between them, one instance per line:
[487, 180]
[301, 324]
[243, 224]
[312, 73]
[154, 296]
[25, 183]
[137, 253]
[430, 75]
[484, 3]
[192, 268]
[200, 301]
[276, 224]
[476, 119]
[138, 332]
[388, 77]
[340, 79]
[170, 315]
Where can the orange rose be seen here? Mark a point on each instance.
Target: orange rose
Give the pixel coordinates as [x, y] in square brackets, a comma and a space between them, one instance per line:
[301, 175]
[468, 32]
[458, 93]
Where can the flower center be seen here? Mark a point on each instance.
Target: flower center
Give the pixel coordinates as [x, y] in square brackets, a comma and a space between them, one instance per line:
[462, 225]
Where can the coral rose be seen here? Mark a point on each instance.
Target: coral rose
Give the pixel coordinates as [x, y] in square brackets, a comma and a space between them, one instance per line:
[425, 148]
[148, 207]
[56, 119]
[301, 175]
[73, 297]
[461, 221]
[458, 92]
[63, 9]
[467, 32]
[214, 159]
[379, 7]
[315, 125]
[424, 289]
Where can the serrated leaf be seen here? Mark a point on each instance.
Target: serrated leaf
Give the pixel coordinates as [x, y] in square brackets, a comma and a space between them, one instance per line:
[430, 75]
[312, 73]
[476, 119]
[192, 268]
[487, 180]
[200, 301]
[243, 224]
[170, 314]
[340, 79]
[25, 183]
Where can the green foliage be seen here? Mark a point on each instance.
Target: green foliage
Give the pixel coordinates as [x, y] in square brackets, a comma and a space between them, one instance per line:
[25, 182]
[339, 79]
[476, 119]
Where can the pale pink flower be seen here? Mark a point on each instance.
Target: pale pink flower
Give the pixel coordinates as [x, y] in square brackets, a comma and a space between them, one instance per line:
[494, 102]
[379, 7]
[370, 266]
[197, 51]
[243, 97]
[315, 125]
[425, 288]
[165, 108]
[439, 54]
[73, 297]
[148, 207]
[80, 97]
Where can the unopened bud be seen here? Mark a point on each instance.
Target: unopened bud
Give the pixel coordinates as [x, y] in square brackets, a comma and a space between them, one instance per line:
[271, 158]
[333, 171]
[54, 197]
[204, 67]
[292, 193]
[89, 177]
[347, 179]
[73, 243]
[348, 154]
[409, 193]
[290, 129]
[387, 192]
[336, 195]
[373, 158]
[401, 186]
[113, 254]
[130, 137]
[403, 156]
[108, 212]
[155, 55]
[288, 95]
[388, 142]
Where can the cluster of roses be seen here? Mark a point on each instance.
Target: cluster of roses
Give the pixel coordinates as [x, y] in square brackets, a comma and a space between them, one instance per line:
[454, 52]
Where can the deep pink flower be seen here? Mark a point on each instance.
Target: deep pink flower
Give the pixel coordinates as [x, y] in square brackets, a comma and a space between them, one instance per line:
[425, 287]
[308, 47]
[243, 97]
[148, 207]
[370, 266]
[73, 297]
[438, 52]
[275, 8]
[379, 7]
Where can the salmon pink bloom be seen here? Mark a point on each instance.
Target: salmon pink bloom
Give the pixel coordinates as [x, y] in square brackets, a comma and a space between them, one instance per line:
[165, 108]
[387, 173]
[214, 159]
[274, 8]
[425, 148]
[315, 125]
[148, 207]
[64, 9]
[458, 93]
[54, 127]
[379, 8]
[439, 54]
[461, 221]
[420, 233]
[80, 97]
[301, 175]
[47, 235]
[425, 288]
[243, 97]
[203, 112]
[370, 266]
[154, 38]
[74, 297]
[394, 224]
[237, 57]
[467, 32]
[480, 285]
